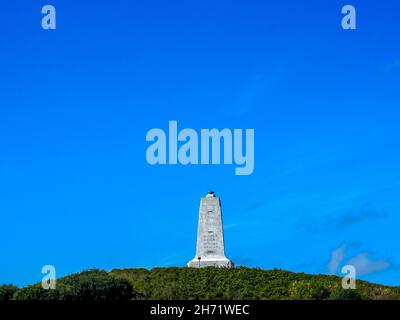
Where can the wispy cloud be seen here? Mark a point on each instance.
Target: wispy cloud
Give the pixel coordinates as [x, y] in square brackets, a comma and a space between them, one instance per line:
[365, 265]
[255, 205]
[395, 64]
[230, 225]
[259, 87]
[353, 217]
[361, 261]
[341, 221]
[337, 257]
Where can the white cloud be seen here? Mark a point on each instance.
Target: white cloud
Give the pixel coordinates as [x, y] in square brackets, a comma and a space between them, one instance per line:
[337, 256]
[365, 265]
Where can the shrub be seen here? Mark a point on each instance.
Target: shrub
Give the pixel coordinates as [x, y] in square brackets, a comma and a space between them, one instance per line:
[87, 285]
[302, 290]
[204, 283]
[7, 292]
[350, 294]
[381, 294]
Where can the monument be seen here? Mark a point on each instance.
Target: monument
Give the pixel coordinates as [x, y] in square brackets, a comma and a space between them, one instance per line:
[210, 249]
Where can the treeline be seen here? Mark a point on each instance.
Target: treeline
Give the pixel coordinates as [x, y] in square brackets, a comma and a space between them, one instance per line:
[205, 283]
[87, 285]
[246, 283]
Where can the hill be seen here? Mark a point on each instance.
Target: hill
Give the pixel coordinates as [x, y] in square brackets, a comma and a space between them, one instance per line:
[245, 283]
[205, 283]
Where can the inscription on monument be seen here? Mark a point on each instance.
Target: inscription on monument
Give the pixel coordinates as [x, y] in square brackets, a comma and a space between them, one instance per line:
[210, 249]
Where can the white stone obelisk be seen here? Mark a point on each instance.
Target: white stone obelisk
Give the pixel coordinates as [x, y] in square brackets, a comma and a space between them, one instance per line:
[210, 249]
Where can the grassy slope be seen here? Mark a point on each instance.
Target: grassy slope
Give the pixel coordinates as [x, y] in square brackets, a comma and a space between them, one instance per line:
[243, 283]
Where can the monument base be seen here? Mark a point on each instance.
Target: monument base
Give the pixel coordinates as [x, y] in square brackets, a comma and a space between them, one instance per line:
[210, 262]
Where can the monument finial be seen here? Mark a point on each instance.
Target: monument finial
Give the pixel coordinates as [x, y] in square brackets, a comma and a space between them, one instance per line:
[210, 194]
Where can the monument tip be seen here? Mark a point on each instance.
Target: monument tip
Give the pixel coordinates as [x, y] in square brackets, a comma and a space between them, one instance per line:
[210, 194]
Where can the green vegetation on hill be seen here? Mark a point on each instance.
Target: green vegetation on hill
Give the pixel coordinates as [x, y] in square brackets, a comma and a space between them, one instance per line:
[87, 285]
[205, 283]
[245, 283]
[7, 292]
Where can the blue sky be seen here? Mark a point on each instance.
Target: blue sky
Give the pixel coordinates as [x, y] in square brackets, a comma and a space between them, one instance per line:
[76, 104]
